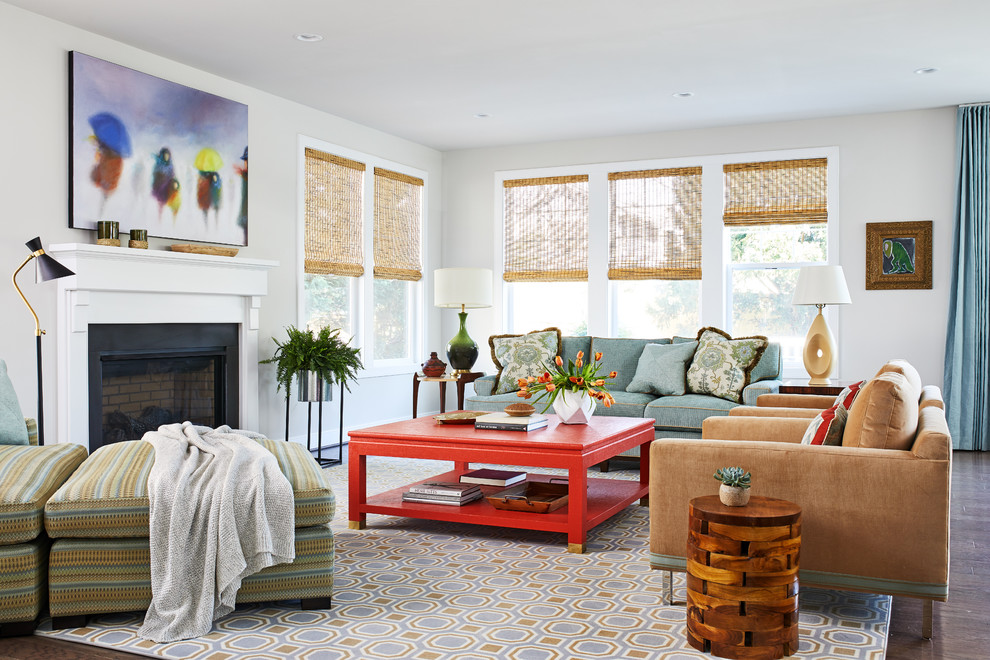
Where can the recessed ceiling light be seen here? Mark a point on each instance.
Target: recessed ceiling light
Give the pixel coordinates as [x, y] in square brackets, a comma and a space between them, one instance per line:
[481, 115]
[308, 37]
[682, 95]
[925, 70]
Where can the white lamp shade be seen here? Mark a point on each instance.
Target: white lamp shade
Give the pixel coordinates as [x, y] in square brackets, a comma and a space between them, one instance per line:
[821, 285]
[470, 287]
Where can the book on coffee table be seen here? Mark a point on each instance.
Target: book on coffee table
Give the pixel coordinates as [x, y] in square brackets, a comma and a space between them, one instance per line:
[446, 488]
[506, 422]
[489, 477]
[456, 500]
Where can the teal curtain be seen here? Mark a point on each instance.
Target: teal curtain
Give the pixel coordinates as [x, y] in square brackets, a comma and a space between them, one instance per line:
[967, 342]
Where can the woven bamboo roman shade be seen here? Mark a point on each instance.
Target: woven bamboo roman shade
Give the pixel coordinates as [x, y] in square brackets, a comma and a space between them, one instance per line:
[655, 224]
[398, 215]
[546, 229]
[776, 192]
[333, 215]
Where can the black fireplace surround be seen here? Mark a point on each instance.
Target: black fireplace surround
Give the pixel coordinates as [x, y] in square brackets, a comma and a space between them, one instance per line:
[144, 375]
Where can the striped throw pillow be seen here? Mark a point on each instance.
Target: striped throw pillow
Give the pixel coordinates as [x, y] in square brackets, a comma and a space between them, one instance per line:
[827, 427]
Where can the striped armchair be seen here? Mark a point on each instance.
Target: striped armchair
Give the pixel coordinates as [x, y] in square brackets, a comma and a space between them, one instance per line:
[29, 475]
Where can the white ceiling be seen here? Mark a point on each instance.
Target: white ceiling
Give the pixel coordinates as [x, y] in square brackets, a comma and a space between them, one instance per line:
[564, 69]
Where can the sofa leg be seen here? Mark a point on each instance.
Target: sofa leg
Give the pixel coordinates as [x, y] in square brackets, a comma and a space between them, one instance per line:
[603, 466]
[74, 621]
[926, 618]
[17, 628]
[314, 603]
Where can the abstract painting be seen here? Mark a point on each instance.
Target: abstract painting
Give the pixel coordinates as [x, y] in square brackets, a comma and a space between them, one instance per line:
[153, 154]
[899, 255]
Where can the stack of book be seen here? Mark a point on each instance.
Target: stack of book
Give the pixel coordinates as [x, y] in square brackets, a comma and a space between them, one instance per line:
[489, 477]
[442, 492]
[506, 422]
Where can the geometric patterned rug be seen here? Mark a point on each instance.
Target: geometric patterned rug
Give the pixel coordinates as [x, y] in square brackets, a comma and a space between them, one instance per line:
[412, 589]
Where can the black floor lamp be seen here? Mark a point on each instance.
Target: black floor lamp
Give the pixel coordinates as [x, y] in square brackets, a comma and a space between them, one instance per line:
[48, 269]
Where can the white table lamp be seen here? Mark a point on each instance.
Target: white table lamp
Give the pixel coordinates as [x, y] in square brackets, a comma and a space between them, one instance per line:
[820, 286]
[465, 288]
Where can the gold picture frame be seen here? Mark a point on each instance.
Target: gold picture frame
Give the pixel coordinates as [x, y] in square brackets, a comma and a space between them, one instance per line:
[899, 255]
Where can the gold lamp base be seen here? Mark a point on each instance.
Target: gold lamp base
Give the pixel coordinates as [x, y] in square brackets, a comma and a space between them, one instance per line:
[819, 351]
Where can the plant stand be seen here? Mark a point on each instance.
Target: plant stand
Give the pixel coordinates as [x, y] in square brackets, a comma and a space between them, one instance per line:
[328, 461]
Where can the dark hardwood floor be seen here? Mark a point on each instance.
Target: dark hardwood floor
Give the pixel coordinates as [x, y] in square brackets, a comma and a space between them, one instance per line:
[961, 625]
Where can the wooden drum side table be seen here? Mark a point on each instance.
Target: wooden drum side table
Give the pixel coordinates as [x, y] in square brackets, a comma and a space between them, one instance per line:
[742, 577]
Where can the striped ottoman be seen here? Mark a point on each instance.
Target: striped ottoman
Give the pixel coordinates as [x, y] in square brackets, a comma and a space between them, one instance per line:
[28, 477]
[100, 558]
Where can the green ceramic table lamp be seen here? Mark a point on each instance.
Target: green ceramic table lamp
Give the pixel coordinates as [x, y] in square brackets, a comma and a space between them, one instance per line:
[465, 288]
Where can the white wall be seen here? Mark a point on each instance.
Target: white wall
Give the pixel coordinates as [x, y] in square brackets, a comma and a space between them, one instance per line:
[34, 193]
[892, 167]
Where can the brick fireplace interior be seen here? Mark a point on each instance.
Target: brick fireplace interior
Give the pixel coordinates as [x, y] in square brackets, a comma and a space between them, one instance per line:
[145, 375]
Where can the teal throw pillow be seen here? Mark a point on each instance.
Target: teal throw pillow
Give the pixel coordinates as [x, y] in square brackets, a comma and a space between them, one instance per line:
[13, 430]
[662, 369]
[722, 365]
[522, 356]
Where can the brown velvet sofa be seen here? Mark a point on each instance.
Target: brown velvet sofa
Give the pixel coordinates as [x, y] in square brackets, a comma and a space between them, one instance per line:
[875, 509]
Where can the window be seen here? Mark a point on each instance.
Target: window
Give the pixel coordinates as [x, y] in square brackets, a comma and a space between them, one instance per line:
[654, 261]
[333, 240]
[665, 247]
[546, 253]
[340, 229]
[776, 215]
[398, 217]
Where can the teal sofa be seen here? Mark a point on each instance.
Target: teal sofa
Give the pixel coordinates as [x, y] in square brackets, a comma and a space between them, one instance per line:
[673, 416]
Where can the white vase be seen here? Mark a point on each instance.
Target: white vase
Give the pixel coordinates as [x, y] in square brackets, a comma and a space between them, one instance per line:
[574, 408]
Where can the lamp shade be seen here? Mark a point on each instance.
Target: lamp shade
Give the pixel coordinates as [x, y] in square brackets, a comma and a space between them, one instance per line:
[48, 268]
[821, 285]
[470, 287]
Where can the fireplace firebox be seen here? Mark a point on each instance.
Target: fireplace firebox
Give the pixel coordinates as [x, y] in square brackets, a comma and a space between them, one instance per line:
[144, 375]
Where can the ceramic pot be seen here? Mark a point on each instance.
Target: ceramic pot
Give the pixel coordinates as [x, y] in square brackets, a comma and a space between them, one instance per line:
[574, 408]
[312, 388]
[434, 367]
[733, 495]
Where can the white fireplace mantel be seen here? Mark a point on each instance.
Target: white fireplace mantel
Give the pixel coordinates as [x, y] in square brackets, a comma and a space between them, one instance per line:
[125, 285]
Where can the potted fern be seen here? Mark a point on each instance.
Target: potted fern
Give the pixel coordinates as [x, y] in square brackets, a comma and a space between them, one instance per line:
[317, 360]
[734, 490]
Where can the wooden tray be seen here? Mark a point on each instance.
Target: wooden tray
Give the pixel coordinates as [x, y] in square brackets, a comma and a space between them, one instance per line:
[461, 417]
[534, 496]
[205, 249]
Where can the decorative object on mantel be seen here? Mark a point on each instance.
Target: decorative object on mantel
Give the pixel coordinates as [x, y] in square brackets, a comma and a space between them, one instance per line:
[734, 490]
[318, 361]
[820, 286]
[572, 390]
[434, 367]
[108, 233]
[898, 255]
[138, 239]
[215, 250]
[157, 154]
[467, 288]
[48, 269]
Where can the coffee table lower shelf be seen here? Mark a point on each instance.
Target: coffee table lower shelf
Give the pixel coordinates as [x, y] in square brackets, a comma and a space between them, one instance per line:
[606, 497]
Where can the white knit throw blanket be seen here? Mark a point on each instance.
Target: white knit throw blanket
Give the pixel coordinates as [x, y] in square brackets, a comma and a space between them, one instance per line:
[221, 509]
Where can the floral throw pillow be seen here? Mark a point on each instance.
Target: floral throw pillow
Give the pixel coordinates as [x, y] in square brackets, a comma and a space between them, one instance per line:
[522, 356]
[721, 364]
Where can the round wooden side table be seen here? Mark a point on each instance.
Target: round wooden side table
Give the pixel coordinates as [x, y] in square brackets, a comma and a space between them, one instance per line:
[742, 577]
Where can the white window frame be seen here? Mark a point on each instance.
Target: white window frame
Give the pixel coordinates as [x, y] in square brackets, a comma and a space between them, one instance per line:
[362, 288]
[716, 301]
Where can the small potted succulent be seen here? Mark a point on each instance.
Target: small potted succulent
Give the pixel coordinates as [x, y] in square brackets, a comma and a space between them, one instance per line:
[734, 490]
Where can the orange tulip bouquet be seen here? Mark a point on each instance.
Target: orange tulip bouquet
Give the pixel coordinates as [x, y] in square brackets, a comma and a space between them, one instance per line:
[577, 377]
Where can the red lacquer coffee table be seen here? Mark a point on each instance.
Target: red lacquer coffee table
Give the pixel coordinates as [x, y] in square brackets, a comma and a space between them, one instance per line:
[574, 448]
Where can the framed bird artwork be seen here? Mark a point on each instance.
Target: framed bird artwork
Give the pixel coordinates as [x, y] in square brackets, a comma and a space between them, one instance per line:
[153, 154]
[899, 255]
